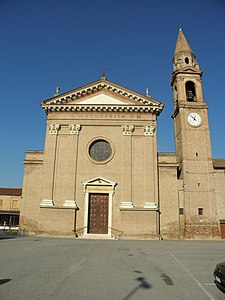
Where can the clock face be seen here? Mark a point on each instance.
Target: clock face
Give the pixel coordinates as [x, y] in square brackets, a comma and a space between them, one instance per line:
[194, 119]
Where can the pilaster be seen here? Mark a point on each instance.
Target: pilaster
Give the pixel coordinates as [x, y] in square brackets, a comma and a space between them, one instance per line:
[74, 131]
[127, 131]
[49, 160]
[150, 167]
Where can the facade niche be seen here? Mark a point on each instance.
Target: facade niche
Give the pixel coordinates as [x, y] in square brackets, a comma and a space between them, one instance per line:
[190, 91]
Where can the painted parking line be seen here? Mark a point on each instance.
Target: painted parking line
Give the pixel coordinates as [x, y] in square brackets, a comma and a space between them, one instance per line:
[192, 277]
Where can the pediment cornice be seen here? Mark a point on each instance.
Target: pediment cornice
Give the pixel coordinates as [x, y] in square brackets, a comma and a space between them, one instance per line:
[138, 102]
[99, 181]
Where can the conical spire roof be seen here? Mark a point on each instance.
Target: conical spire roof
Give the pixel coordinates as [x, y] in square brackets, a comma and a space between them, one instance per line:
[183, 55]
[182, 44]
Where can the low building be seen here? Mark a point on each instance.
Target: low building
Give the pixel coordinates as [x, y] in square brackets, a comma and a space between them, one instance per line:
[9, 207]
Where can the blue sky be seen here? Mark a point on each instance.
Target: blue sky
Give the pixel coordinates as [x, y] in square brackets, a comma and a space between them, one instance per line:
[45, 43]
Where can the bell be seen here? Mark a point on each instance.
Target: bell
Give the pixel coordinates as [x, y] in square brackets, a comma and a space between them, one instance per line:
[190, 96]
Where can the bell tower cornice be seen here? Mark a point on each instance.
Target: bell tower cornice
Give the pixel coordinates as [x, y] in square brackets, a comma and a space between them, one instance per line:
[186, 70]
[189, 106]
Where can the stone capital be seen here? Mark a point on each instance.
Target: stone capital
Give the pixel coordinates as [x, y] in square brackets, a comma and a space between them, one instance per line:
[74, 128]
[128, 129]
[149, 130]
[53, 128]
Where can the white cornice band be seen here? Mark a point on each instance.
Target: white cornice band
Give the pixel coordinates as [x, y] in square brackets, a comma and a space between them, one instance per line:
[76, 108]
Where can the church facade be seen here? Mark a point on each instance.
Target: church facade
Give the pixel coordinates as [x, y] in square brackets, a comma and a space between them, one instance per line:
[101, 176]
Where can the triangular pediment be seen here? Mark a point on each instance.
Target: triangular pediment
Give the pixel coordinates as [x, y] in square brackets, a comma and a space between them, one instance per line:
[99, 181]
[97, 94]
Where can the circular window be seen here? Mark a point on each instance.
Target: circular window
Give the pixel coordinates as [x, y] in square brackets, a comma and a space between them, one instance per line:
[100, 150]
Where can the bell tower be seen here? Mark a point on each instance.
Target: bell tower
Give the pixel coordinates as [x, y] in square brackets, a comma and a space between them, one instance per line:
[193, 145]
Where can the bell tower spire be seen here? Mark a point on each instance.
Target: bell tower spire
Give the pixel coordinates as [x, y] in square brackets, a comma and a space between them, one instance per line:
[186, 76]
[183, 54]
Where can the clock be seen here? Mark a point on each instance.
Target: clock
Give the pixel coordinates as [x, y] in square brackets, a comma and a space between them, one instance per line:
[194, 119]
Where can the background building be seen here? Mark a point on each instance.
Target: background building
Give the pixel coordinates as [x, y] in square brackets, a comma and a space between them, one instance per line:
[9, 207]
[100, 174]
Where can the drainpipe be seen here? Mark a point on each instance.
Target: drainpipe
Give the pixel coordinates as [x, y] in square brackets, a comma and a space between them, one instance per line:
[75, 221]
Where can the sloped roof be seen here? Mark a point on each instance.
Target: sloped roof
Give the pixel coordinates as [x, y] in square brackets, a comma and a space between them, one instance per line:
[219, 163]
[10, 191]
[182, 44]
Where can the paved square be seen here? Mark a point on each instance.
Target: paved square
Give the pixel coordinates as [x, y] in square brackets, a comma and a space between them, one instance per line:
[53, 268]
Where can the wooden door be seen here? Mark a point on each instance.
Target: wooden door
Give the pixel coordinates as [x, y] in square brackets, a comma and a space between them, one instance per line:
[98, 213]
[222, 228]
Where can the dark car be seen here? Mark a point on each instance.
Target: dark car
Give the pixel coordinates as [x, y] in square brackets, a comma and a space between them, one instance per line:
[219, 276]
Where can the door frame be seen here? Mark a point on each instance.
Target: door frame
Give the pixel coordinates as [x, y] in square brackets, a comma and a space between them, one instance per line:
[102, 186]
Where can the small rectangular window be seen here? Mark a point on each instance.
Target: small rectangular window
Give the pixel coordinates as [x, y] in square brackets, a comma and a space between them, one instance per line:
[181, 211]
[200, 211]
[1, 202]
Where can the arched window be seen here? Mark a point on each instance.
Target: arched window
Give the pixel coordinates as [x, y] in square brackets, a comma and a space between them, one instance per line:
[190, 91]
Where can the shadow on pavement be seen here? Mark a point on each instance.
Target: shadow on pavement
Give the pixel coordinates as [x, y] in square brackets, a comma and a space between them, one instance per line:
[2, 281]
[142, 285]
[7, 237]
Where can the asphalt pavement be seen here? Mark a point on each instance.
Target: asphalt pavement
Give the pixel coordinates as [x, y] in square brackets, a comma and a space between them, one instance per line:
[57, 268]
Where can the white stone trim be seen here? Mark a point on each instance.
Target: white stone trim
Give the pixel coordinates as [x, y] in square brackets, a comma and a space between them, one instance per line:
[128, 129]
[70, 204]
[46, 203]
[74, 129]
[126, 205]
[150, 205]
[103, 108]
[149, 130]
[53, 128]
[99, 181]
